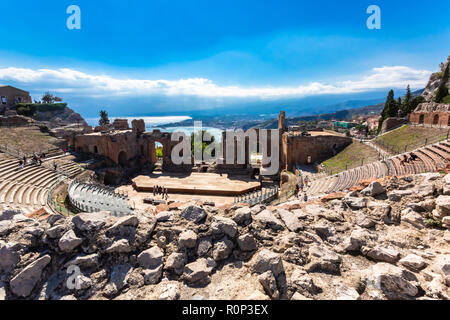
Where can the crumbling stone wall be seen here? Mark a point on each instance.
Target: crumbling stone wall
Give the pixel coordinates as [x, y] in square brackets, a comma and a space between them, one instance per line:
[431, 113]
[306, 150]
[14, 121]
[391, 123]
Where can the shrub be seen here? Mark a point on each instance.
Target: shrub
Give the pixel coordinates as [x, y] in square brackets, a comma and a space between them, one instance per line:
[29, 109]
[446, 100]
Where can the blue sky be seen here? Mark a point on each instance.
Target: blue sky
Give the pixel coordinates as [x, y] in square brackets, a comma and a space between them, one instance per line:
[202, 52]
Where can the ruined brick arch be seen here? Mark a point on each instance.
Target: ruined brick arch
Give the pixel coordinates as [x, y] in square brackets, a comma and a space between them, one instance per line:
[436, 119]
[421, 119]
[122, 158]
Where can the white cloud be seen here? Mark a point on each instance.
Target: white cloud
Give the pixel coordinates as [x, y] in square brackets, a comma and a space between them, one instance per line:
[79, 83]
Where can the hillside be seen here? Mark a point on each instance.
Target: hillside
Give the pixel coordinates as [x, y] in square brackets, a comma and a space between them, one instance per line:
[346, 114]
[28, 139]
[354, 155]
[56, 114]
[409, 137]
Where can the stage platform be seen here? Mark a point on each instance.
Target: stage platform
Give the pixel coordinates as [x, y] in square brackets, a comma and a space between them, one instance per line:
[198, 183]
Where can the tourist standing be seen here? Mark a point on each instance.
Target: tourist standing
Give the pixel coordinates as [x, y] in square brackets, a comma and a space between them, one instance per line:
[305, 197]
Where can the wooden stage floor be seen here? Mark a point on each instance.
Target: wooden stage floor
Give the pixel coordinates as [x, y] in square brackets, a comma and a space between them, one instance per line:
[198, 183]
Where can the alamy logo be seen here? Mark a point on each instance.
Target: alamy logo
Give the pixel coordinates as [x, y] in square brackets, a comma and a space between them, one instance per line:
[74, 20]
[239, 146]
[374, 21]
[73, 281]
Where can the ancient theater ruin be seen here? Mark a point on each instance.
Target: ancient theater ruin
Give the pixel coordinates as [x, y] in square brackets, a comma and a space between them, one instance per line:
[248, 165]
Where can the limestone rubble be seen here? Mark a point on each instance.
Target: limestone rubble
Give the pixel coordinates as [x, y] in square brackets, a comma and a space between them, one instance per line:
[389, 241]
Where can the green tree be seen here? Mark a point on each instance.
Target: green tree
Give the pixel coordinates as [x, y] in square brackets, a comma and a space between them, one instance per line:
[104, 120]
[50, 98]
[204, 144]
[406, 105]
[390, 109]
[442, 91]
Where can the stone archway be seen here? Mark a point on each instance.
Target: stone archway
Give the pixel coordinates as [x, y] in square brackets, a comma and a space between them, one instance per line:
[123, 158]
[421, 119]
[436, 119]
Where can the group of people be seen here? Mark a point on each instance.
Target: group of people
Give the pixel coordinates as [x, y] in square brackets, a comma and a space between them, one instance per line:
[412, 157]
[36, 159]
[300, 188]
[158, 190]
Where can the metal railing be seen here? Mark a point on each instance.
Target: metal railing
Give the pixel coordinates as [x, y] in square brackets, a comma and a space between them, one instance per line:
[53, 205]
[396, 150]
[256, 197]
[98, 197]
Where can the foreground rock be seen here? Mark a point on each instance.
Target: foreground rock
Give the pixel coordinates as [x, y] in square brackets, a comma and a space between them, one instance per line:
[26, 280]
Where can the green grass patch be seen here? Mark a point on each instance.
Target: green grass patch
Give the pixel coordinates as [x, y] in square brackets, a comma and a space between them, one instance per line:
[409, 137]
[446, 100]
[354, 155]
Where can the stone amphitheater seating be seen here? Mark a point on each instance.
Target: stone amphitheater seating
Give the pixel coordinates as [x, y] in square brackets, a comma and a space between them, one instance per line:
[93, 198]
[430, 159]
[27, 189]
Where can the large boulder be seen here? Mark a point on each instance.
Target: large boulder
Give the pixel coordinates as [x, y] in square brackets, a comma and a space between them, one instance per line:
[175, 262]
[413, 218]
[269, 283]
[382, 254]
[151, 258]
[392, 281]
[24, 282]
[91, 221]
[5, 227]
[170, 292]
[397, 195]
[425, 190]
[84, 261]
[441, 265]
[268, 220]
[323, 259]
[246, 242]
[344, 292]
[302, 281]
[222, 249]
[443, 205]
[121, 246]
[56, 231]
[8, 257]
[193, 213]
[69, 241]
[374, 189]
[187, 239]
[356, 203]
[357, 239]
[242, 215]
[225, 226]
[268, 260]
[127, 221]
[363, 220]
[198, 270]
[413, 262]
[290, 220]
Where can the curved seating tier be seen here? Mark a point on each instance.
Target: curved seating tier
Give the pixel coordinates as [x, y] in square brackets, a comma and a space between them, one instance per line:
[93, 198]
[429, 159]
[27, 189]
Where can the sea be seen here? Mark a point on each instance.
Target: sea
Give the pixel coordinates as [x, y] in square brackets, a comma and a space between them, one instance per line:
[152, 123]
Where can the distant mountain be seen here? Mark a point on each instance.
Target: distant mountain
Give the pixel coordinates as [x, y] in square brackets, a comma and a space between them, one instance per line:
[343, 115]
